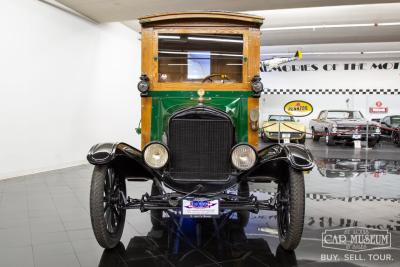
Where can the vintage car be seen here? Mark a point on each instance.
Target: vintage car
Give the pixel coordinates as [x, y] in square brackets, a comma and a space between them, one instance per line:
[344, 125]
[389, 123]
[283, 128]
[390, 126]
[199, 130]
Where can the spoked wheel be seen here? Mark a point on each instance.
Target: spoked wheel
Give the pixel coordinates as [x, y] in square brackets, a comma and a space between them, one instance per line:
[290, 209]
[243, 215]
[156, 215]
[106, 214]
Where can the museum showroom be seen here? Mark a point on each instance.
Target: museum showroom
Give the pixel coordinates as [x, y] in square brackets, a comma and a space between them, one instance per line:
[199, 133]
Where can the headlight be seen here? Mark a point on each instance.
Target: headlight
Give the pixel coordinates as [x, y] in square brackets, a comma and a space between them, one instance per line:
[334, 129]
[144, 84]
[378, 130]
[243, 157]
[155, 155]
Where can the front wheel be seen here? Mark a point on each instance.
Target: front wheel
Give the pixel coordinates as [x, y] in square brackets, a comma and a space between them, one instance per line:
[329, 139]
[106, 214]
[315, 136]
[290, 209]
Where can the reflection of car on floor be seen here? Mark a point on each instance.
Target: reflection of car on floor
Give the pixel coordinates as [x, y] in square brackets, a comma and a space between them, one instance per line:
[350, 168]
[281, 127]
[197, 144]
[203, 242]
[344, 125]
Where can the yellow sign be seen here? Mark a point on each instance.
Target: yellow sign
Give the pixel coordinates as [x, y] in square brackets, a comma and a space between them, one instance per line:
[298, 108]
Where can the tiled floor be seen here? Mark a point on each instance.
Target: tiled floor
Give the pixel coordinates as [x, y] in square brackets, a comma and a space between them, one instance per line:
[44, 219]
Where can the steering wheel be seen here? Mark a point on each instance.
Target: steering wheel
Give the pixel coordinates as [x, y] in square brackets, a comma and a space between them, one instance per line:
[210, 77]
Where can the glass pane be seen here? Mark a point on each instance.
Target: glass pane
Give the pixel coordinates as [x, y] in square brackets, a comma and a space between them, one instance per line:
[201, 58]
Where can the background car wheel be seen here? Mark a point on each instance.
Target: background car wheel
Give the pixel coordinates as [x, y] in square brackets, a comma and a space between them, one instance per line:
[106, 215]
[264, 137]
[396, 138]
[329, 141]
[302, 140]
[372, 143]
[156, 215]
[290, 209]
[243, 215]
[315, 136]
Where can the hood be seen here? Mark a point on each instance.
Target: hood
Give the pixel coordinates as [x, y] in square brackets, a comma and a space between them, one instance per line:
[285, 126]
[352, 122]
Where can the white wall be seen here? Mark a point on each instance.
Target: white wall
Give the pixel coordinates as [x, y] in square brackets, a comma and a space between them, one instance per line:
[368, 78]
[65, 84]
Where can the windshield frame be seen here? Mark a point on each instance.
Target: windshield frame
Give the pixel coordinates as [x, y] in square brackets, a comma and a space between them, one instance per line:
[344, 111]
[248, 60]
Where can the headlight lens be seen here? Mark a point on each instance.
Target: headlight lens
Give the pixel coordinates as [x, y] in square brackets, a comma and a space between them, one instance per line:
[155, 155]
[243, 157]
[378, 130]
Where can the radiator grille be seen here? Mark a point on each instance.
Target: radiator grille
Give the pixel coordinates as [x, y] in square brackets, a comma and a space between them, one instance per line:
[200, 147]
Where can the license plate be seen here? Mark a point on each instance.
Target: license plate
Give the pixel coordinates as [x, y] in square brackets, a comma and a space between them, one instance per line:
[285, 135]
[356, 136]
[200, 207]
[286, 140]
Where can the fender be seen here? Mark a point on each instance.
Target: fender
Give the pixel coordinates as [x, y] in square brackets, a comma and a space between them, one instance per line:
[126, 160]
[274, 160]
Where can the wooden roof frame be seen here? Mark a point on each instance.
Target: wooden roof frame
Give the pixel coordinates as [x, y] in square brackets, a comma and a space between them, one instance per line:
[214, 16]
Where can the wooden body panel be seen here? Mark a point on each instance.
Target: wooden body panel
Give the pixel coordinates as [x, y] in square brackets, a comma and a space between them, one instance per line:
[200, 22]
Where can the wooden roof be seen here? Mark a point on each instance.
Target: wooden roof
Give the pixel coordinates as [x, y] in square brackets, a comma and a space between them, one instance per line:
[202, 15]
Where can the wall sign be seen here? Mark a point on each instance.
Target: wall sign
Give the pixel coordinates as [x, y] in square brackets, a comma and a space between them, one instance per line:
[298, 108]
[379, 108]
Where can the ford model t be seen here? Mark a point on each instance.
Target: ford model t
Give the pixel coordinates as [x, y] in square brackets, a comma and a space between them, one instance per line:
[200, 91]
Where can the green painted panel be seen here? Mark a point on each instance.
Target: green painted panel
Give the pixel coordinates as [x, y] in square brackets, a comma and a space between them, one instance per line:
[166, 103]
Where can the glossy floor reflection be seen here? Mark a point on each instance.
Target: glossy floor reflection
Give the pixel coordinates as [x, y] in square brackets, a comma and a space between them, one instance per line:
[200, 242]
[44, 219]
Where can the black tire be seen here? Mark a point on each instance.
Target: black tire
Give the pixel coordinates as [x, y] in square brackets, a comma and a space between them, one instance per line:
[243, 215]
[290, 209]
[156, 215]
[264, 138]
[396, 138]
[329, 140]
[372, 143]
[107, 218]
[315, 136]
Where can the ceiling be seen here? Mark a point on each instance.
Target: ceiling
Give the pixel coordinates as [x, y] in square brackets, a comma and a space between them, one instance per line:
[122, 10]
[278, 13]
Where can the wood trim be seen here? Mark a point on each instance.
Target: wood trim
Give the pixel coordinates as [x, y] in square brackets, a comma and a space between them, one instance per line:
[253, 53]
[146, 120]
[187, 86]
[252, 103]
[211, 15]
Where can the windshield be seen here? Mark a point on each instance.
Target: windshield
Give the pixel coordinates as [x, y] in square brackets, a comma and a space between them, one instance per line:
[201, 58]
[280, 118]
[345, 115]
[395, 121]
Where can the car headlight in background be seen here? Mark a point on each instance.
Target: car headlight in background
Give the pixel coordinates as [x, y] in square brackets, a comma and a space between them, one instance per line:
[378, 130]
[334, 129]
[243, 157]
[155, 155]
